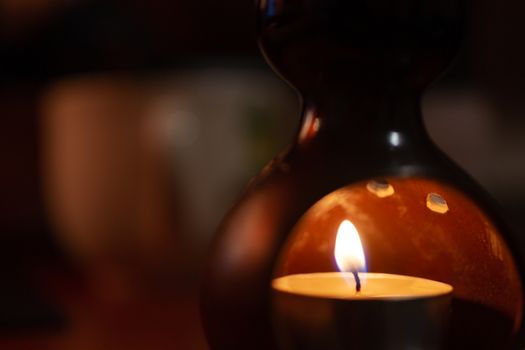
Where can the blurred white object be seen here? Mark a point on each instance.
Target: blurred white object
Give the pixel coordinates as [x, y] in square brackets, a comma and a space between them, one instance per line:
[222, 126]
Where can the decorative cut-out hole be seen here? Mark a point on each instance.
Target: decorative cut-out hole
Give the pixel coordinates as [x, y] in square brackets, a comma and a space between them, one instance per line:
[381, 188]
[437, 204]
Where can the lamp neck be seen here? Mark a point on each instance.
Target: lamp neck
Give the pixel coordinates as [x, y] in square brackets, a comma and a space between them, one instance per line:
[363, 117]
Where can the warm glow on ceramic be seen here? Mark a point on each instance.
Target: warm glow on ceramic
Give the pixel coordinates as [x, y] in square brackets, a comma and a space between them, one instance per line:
[349, 253]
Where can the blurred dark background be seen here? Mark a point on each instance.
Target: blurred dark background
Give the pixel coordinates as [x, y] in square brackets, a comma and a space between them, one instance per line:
[129, 127]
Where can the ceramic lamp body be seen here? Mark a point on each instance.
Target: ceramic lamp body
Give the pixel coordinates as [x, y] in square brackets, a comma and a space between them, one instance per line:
[361, 68]
[350, 45]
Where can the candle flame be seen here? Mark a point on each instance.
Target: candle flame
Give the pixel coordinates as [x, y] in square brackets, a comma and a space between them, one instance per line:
[349, 253]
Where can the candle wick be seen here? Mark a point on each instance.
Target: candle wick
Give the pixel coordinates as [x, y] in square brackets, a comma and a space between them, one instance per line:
[357, 281]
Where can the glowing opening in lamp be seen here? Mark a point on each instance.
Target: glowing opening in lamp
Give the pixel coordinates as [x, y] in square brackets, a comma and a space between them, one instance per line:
[348, 252]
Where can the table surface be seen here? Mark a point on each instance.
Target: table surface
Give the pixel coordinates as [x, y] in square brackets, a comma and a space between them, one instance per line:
[100, 321]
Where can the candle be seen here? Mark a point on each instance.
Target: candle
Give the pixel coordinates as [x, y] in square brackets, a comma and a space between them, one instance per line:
[352, 309]
[376, 286]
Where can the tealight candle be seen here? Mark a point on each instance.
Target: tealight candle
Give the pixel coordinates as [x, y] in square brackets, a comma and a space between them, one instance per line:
[359, 310]
[376, 286]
